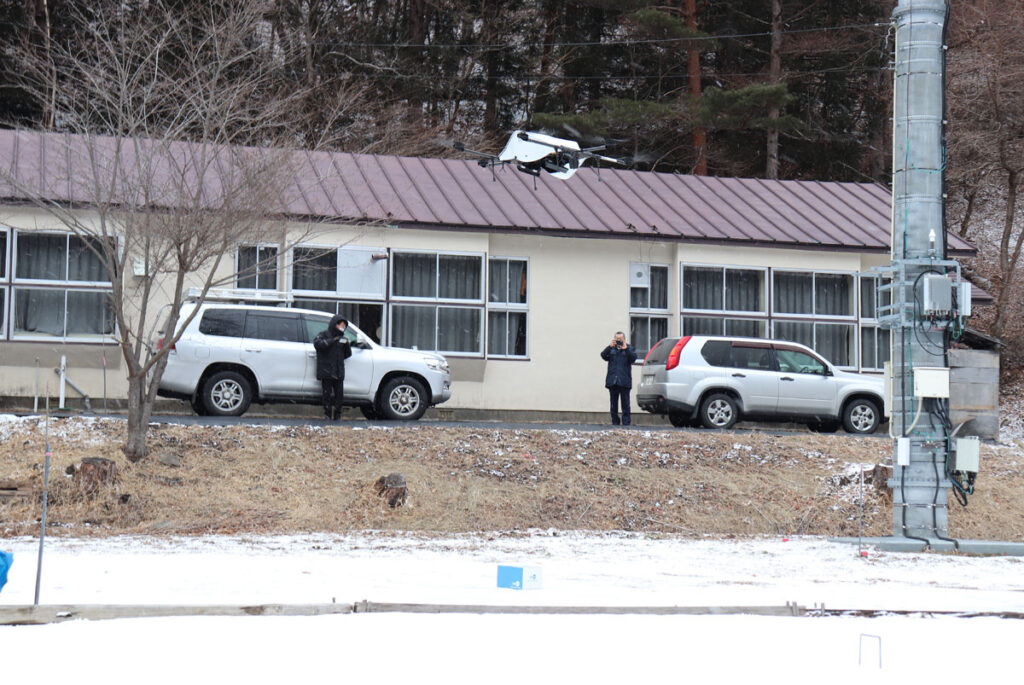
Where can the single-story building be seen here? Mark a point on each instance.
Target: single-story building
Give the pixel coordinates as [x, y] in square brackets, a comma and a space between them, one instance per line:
[519, 281]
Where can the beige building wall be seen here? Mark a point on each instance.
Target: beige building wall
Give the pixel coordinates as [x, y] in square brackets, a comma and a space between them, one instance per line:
[578, 297]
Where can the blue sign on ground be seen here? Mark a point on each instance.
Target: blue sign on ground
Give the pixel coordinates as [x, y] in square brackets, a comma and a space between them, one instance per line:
[6, 559]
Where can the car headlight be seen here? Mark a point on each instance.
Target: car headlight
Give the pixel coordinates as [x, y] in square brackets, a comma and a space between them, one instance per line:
[436, 364]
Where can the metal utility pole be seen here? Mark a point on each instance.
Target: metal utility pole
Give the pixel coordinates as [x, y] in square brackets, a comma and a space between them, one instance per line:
[920, 329]
[924, 301]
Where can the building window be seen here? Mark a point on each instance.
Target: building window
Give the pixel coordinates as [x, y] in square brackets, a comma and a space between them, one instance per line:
[315, 269]
[723, 289]
[256, 267]
[648, 305]
[61, 287]
[874, 340]
[507, 307]
[444, 329]
[345, 272]
[813, 294]
[435, 276]
[437, 301]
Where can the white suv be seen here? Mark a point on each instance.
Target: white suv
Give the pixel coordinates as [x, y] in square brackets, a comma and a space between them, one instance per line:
[713, 381]
[231, 355]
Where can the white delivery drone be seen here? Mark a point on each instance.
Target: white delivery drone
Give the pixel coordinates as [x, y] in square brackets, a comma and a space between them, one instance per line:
[536, 152]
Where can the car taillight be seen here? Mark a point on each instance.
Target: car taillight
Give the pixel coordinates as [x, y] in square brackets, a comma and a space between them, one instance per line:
[160, 345]
[673, 356]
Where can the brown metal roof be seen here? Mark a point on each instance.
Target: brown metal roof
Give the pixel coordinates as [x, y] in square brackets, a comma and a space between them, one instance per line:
[445, 193]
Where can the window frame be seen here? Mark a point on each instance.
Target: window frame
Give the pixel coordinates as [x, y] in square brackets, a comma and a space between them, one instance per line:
[480, 299]
[437, 306]
[734, 313]
[11, 284]
[814, 273]
[506, 307]
[259, 271]
[648, 314]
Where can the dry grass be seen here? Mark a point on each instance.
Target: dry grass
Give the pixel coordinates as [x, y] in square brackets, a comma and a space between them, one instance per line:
[256, 479]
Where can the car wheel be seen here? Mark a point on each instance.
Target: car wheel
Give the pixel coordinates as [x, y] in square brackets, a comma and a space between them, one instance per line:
[370, 412]
[824, 426]
[403, 399]
[681, 420]
[227, 393]
[718, 410]
[861, 416]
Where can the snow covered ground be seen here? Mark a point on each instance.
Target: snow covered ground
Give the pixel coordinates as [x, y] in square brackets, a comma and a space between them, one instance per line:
[578, 569]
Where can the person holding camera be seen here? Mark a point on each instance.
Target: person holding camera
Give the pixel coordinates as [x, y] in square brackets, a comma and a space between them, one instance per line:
[332, 349]
[619, 380]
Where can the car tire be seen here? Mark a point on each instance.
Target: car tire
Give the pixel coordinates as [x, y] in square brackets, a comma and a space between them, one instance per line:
[719, 410]
[226, 393]
[861, 417]
[370, 412]
[198, 407]
[824, 426]
[402, 399]
[681, 420]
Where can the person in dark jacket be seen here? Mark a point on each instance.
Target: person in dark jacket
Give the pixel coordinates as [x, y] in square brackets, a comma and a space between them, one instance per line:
[332, 349]
[619, 380]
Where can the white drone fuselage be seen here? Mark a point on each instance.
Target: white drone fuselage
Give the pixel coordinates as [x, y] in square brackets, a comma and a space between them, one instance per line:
[535, 151]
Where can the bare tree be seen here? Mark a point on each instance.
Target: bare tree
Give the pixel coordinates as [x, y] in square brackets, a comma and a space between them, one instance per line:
[986, 143]
[174, 112]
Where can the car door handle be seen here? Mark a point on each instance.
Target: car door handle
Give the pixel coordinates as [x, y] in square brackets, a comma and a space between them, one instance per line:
[788, 378]
[311, 355]
[253, 349]
[739, 375]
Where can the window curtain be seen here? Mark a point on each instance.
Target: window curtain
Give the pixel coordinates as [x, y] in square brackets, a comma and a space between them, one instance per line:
[833, 295]
[795, 331]
[702, 288]
[329, 306]
[314, 269]
[459, 277]
[868, 291]
[39, 311]
[247, 260]
[517, 281]
[458, 329]
[42, 256]
[257, 268]
[497, 281]
[497, 333]
[794, 293]
[835, 343]
[413, 326]
[83, 263]
[415, 275]
[744, 290]
[702, 325]
[745, 328]
[659, 288]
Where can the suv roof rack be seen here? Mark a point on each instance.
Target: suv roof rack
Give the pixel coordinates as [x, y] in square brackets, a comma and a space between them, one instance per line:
[240, 295]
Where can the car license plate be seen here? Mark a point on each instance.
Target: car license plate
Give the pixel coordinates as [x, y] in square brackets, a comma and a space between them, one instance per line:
[647, 379]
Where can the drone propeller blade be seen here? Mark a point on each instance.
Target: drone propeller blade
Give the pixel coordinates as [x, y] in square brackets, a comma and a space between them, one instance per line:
[488, 158]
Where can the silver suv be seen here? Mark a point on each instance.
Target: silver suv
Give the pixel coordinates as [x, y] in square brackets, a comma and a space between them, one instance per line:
[231, 355]
[715, 382]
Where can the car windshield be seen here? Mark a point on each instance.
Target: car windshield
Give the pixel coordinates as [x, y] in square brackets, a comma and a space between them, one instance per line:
[659, 354]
